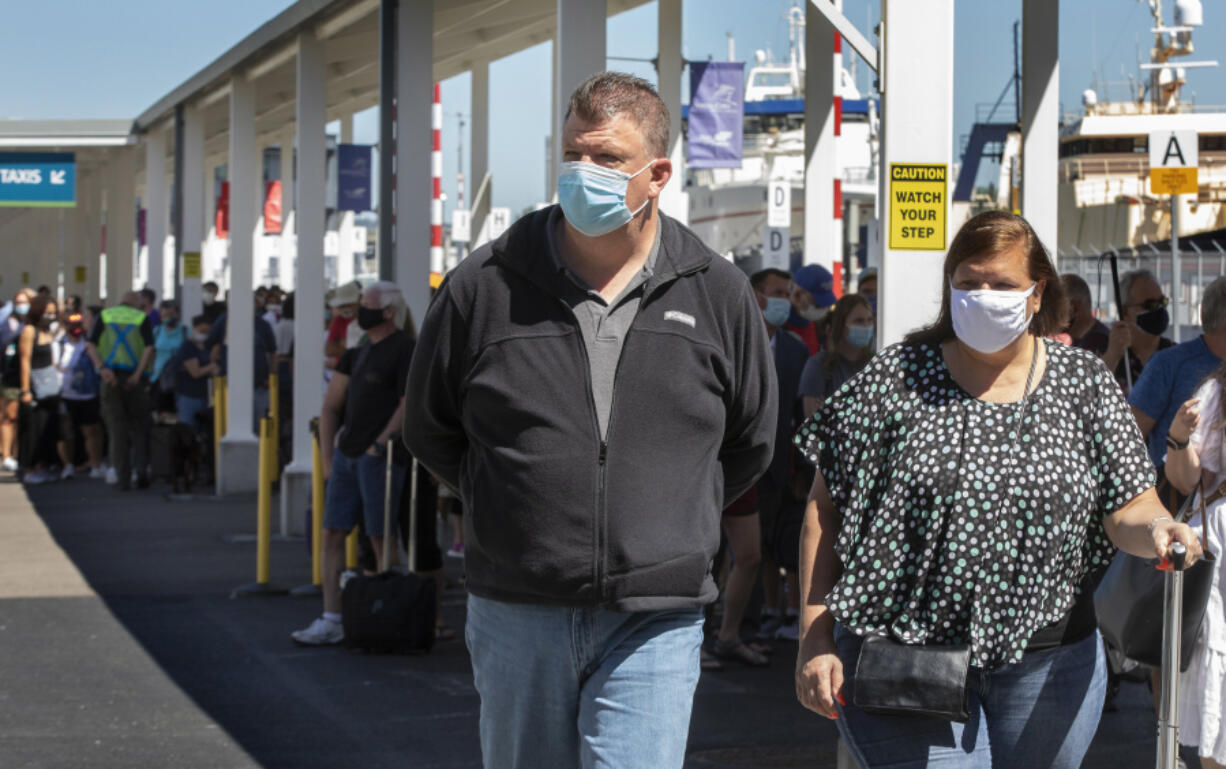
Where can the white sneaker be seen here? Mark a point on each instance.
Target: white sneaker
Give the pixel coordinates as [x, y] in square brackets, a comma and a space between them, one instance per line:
[97, 473]
[322, 632]
[112, 477]
[35, 477]
[67, 473]
[9, 464]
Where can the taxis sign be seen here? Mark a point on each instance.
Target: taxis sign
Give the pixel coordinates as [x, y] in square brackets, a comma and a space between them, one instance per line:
[38, 179]
[1173, 159]
[918, 204]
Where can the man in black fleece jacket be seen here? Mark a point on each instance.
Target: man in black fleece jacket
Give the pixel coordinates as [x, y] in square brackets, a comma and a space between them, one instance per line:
[597, 384]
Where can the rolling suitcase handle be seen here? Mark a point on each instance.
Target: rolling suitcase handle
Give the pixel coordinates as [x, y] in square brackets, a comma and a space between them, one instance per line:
[387, 505]
[1172, 631]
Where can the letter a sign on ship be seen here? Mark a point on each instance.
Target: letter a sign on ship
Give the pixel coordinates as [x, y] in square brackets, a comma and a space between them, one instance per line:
[1172, 162]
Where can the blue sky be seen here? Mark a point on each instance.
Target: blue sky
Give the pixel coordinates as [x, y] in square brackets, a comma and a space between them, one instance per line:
[72, 59]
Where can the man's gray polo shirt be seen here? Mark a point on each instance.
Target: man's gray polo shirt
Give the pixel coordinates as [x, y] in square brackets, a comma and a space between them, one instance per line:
[604, 324]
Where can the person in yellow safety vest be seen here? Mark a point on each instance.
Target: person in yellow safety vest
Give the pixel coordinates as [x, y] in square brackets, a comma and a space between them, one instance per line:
[121, 348]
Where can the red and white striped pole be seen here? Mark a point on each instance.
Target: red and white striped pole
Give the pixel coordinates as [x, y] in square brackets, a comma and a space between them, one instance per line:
[436, 201]
[836, 248]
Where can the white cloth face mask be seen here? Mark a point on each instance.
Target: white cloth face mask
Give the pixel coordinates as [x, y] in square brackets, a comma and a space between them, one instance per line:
[988, 321]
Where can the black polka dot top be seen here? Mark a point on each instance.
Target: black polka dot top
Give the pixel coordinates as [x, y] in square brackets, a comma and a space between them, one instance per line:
[956, 526]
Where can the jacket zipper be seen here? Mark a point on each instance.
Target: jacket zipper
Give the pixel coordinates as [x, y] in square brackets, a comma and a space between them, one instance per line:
[601, 523]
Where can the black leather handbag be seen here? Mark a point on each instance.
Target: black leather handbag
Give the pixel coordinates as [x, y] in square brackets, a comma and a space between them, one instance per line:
[1128, 601]
[895, 679]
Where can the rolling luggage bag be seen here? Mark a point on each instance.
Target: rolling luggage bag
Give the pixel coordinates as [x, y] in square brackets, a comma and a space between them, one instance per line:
[1172, 630]
[391, 612]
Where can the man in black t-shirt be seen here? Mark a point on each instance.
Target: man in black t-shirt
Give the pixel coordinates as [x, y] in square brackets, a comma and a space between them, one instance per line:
[366, 396]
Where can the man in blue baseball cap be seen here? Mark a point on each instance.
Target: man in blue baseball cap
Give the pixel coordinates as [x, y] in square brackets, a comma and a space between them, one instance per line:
[812, 297]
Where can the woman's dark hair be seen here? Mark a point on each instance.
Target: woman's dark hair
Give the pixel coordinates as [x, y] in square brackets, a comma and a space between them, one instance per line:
[988, 234]
[38, 308]
[838, 325]
[287, 306]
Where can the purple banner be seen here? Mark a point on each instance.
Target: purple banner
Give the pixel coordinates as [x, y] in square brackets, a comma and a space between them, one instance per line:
[717, 113]
[353, 177]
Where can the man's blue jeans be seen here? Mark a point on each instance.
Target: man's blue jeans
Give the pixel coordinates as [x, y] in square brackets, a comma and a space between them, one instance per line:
[568, 688]
[1041, 712]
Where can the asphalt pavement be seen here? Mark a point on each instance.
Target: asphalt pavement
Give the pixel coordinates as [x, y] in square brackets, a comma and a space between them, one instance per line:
[121, 647]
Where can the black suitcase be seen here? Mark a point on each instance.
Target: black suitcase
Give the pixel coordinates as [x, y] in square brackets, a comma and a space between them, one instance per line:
[389, 612]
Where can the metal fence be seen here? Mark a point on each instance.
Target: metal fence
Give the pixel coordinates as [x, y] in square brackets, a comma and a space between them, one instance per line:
[1198, 268]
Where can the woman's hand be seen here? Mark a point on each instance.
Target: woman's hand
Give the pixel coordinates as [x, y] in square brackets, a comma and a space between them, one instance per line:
[1166, 532]
[819, 679]
[1185, 421]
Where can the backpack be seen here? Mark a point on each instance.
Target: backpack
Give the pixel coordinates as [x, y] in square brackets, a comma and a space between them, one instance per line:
[84, 376]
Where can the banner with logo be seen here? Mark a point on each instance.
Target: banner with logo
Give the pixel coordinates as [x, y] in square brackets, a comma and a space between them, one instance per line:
[717, 114]
[353, 172]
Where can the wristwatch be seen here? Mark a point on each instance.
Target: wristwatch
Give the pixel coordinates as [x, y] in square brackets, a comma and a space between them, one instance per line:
[1175, 445]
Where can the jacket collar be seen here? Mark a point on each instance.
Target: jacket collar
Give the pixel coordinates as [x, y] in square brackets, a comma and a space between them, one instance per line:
[524, 249]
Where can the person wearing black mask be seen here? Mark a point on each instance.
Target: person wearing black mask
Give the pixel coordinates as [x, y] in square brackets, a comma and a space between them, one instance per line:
[362, 411]
[1139, 332]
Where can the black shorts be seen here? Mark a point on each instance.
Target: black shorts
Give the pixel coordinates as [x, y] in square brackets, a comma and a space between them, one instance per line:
[83, 412]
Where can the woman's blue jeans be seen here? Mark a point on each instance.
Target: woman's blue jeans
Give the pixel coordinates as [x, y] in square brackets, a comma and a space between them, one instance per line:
[1041, 712]
[566, 688]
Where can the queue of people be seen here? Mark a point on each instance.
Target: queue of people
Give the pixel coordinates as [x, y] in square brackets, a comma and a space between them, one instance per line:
[635, 430]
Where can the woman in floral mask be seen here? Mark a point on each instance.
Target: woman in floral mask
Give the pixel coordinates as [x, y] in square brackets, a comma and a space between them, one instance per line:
[969, 484]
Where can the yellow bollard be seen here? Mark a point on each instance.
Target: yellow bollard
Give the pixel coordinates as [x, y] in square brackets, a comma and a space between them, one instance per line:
[263, 535]
[263, 532]
[219, 417]
[274, 411]
[317, 512]
[351, 550]
[225, 405]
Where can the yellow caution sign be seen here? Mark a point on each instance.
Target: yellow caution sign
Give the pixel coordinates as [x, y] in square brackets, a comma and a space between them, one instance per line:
[1173, 181]
[79, 274]
[191, 264]
[918, 202]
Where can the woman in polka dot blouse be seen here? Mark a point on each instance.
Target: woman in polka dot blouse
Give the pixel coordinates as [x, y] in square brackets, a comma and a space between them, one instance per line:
[972, 481]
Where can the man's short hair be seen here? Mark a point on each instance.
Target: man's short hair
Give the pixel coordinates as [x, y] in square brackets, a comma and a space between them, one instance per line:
[210, 283]
[200, 320]
[1076, 289]
[606, 95]
[149, 295]
[758, 279]
[1213, 307]
[388, 294]
[1130, 279]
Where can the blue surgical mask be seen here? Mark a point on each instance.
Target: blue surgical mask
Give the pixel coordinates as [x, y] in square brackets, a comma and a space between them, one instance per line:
[593, 197]
[21, 309]
[777, 311]
[860, 336]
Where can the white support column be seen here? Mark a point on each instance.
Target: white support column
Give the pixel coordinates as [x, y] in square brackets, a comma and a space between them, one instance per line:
[820, 156]
[479, 152]
[309, 278]
[120, 220]
[414, 92]
[156, 210]
[240, 447]
[1041, 117]
[674, 200]
[289, 220]
[917, 127]
[344, 253]
[579, 53]
[194, 206]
